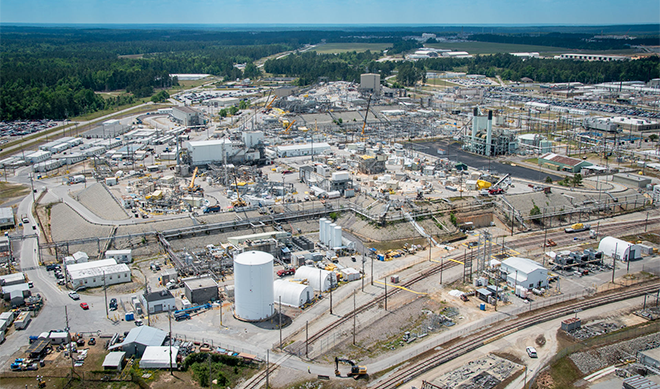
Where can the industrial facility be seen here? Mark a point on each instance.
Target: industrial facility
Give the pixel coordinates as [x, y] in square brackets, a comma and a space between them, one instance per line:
[486, 141]
[253, 286]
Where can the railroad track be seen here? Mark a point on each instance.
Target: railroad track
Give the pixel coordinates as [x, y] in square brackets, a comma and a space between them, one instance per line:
[257, 379]
[476, 340]
[429, 272]
[562, 237]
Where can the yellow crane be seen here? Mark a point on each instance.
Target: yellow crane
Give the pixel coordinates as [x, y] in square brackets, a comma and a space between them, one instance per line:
[270, 104]
[239, 202]
[364, 125]
[286, 131]
[191, 187]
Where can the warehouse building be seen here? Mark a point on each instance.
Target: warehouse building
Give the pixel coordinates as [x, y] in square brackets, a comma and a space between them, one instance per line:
[209, 151]
[201, 290]
[12, 279]
[186, 116]
[301, 149]
[6, 217]
[114, 361]
[91, 274]
[650, 358]
[619, 249]
[524, 272]
[292, 294]
[37, 156]
[16, 294]
[370, 83]
[631, 180]
[139, 339]
[159, 357]
[563, 163]
[160, 301]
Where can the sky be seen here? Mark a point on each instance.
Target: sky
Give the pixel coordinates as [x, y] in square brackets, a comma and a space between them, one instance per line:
[426, 12]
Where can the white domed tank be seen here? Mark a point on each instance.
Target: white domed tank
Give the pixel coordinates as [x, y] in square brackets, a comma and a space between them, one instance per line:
[253, 285]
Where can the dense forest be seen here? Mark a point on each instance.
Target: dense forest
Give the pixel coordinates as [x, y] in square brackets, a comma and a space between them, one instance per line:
[55, 72]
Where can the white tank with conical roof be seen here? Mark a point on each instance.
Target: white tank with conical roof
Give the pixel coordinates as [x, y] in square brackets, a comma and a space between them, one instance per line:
[253, 285]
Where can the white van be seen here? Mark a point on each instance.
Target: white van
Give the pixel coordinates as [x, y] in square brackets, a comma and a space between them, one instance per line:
[531, 351]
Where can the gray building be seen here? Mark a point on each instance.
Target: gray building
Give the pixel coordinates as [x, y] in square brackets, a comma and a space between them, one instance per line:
[186, 116]
[6, 217]
[650, 358]
[631, 180]
[139, 339]
[160, 301]
[201, 290]
[370, 83]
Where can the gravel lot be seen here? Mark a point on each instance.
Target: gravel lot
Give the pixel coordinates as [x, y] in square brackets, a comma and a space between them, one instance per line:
[590, 361]
[97, 199]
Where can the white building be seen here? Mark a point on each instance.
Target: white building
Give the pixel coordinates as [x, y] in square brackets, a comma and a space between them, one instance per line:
[592, 57]
[252, 138]
[6, 217]
[370, 82]
[620, 249]
[158, 357]
[38, 156]
[159, 301]
[524, 272]
[90, 274]
[318, 279]
[77, 257]
[121, 256]
[301, 149]
[293, 294]
[224, 101]
[209, 151]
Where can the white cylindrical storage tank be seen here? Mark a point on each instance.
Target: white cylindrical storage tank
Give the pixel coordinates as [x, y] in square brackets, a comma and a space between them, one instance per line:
[322, 228]
[324, 240]
[293, 294]
[336, 241]
[318, 279]
[253, 285]
[330, 235]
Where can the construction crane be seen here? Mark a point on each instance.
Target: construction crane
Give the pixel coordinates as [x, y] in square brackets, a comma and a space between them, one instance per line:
[286, 131]
[364, 125]
[356, 371]
[192, 187]
[269, 106]
[239, 202]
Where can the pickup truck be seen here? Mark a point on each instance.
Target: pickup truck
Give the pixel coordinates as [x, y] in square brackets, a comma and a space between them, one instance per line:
[286, 272]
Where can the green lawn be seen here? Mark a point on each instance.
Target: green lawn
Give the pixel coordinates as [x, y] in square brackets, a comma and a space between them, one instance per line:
[332, 48]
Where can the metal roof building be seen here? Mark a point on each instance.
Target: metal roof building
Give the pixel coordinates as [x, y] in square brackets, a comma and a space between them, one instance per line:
[139, 339]
[114, 360]
[562, 162]
[620, 249]
[293, 294]
[524, 272]
[6, 217]
[158, 357]
[301, 149]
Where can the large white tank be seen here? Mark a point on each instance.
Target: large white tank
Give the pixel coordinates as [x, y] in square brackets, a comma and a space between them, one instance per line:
[330, 235]
[324, 240]
[336, 241]
[322, 228]
[253, 285]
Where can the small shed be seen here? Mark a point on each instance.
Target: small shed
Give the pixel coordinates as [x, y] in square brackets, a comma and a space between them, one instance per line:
[483, 294]
[12, 279]
[293, 294]
[201, 290]
[114, 360]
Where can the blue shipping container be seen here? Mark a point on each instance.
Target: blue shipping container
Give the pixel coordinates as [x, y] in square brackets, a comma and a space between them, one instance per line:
[129, 316]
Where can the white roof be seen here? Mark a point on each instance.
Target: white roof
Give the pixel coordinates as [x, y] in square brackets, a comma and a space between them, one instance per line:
[158, 357]
[91, 265]
[303, 146]
[6, 213]
[99, 271]
[121, 252]
[523, 265]
[292, 293]
[202, 143]
[114, 358]
[253, 258]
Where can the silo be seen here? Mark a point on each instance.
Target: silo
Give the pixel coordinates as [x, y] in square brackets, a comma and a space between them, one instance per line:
[330, 235]
[253, 285]
[336, 241]
[322, 228]
[325, 232]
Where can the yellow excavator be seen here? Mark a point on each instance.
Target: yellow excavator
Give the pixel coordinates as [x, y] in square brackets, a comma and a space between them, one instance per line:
[239, 202]
[356, 370]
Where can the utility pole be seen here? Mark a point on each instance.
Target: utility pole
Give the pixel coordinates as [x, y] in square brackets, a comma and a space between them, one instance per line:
[616, 249]
[105, 291]
[267, 366]
[363, 275]
[307, 339]
[386, 293]
[331, 294]
[279, 315]
[354, 317]
[146, 292]
[646, 223]
[169, 316]
[430, 249]
[372, 270]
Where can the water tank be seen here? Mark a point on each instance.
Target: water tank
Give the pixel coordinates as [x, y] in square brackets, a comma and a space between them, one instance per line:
[327, 227]
[336, 241]
[253, 285]
[329, 235]
[322, 228]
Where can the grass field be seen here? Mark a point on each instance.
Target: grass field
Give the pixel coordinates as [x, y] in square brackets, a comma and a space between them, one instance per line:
[492, 48]
[332, 48]
[9, 191]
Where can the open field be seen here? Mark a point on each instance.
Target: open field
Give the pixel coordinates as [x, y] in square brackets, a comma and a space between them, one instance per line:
[332, 48]
[492, 48]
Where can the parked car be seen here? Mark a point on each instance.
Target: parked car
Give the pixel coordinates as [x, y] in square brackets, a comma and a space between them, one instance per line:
[531, 351]
[84, 306]
[91, 342]
[74, 296]
[286, 272]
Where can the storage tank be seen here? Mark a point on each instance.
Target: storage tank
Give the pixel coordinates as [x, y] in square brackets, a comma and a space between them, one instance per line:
[329, 235]
[253, 285]
[322, 228]
[327, 227]
[336, 241]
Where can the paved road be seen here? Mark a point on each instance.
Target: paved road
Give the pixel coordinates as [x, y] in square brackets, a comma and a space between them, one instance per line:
[454, 151]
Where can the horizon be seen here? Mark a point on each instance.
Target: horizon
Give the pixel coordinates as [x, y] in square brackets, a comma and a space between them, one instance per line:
[338, 13]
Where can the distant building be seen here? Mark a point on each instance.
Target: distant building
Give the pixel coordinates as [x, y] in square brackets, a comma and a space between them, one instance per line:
[563, 163]
[631, 180]
[186, 116]
[6, 217]
[524, 272]
[370, 83]
[592, 57]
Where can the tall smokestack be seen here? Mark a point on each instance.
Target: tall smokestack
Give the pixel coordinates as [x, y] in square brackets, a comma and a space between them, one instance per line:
[475, 113]
[489, 132]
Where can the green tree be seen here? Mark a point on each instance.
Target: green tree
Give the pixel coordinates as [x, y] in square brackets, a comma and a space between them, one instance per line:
[453, 219]
[251, 71]
[233, 110]
[160, 97]
[223, 113]
[244, 104]
[577, 179]
[535, 210]
[548, 180]
[653, 137]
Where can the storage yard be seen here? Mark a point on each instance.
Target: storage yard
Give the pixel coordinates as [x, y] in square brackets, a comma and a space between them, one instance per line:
[338, 220]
